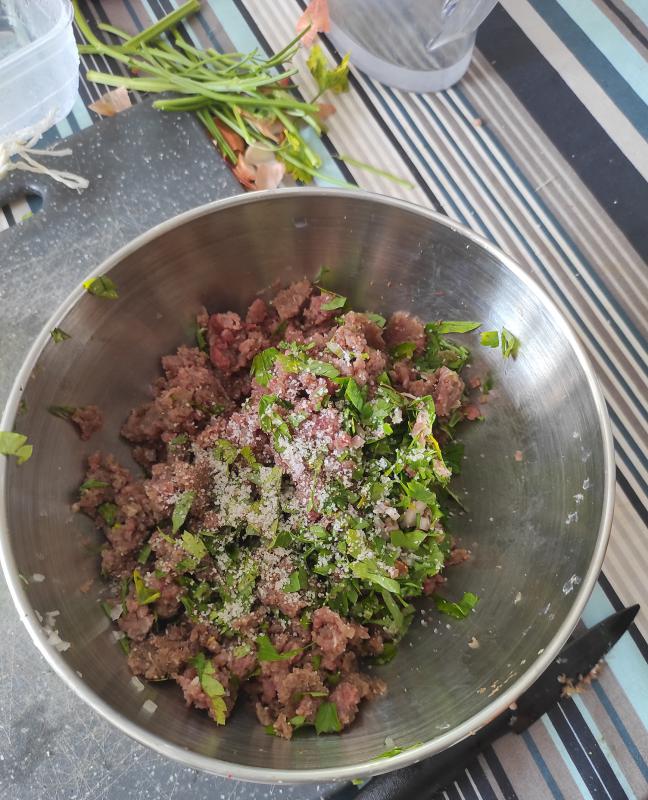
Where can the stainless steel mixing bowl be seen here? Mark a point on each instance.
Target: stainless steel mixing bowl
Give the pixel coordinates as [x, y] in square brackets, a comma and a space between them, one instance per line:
[537, 527]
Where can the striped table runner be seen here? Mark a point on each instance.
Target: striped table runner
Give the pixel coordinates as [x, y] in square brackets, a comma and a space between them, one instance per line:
[542, 148]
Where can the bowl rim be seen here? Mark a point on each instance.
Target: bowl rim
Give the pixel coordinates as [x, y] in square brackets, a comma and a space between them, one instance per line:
[363, 769]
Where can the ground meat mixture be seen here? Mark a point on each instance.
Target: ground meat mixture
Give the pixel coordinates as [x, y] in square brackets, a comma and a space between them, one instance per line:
[296, 465]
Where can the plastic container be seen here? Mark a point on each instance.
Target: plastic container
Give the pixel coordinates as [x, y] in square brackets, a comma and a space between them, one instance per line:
[39, 63]
[417, 45]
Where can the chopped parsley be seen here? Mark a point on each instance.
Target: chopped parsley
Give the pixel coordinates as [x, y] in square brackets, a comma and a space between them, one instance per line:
[327, 720]
[456, 326]
[93, 484]
[458, 610]
[143, 594]
[336, 301]
[395, 751]
[377, 319]
[15, 444]
[181, 509]
[510, 344]
[102, 286]
[59, 335]
[212, 687]
[262, 363]
[404, 350]
[108, 512]
[64, 412]
[266, 651]
[489, 338]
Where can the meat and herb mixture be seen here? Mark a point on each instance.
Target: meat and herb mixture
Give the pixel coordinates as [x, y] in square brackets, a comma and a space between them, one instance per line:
[296, 464]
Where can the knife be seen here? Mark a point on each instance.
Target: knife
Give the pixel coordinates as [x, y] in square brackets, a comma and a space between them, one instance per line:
[576, 660]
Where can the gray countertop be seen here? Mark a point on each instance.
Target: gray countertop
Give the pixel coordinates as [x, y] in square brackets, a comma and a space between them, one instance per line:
[51, 744]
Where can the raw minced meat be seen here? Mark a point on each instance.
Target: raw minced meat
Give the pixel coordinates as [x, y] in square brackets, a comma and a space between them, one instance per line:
[291, 507]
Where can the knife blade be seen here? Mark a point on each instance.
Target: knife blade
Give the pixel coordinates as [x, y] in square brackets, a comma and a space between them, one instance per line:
[575, 661]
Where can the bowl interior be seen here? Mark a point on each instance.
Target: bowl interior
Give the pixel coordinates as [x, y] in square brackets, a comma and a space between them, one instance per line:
[534, 525]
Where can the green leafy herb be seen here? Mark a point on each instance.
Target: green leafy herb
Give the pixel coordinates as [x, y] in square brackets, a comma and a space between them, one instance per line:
[335, 79]
[241, 650]
[262, 363]
[458, 610]
[488, 384]
[212, 687]
[489, 338]
[181, 438]
[201, 340]
[327, 720]
[15, 444]
[377, 319]
[457, 326]
[144, 553]
[124, 643]
[64, 412]
[59, 335]
[193, 545]
[297, 721]
[396, 751]
[453, 454]
[102, 286]
[336, 301]
[108, 512]
[388, 654]
[266, 651]
[93, 484]
[296, 581]
[143, 594]
[181, 509]
[404, 350]
[353, 394]
[510, 344]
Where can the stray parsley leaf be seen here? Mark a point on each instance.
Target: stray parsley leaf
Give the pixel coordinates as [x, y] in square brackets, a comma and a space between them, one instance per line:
[458, 610]
[92, 484]
[193, 545]
[489, 339]
[457, 326]
[327, 720]
[108, 511]
[297, 721]
[181, 438]
[404, 350]
[335, 301]
[262, 363]
[266, 651]
[377, 319]
[59, 335]
[142, 592]
[453, 456]
[144, 553]
[181, 509]
[296, 581]
[510, 344]
[336, 79]
[353, 394]
[15, 444]
[102, 286]
[201, 341]
[241, 650]
[395, 751]
[64, 412]
[212, 687]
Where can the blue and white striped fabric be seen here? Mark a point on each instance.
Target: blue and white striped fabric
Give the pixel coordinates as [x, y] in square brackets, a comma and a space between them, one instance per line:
[543, 148]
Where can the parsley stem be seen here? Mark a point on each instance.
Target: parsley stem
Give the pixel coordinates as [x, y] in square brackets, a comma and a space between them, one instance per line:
[163, 25]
